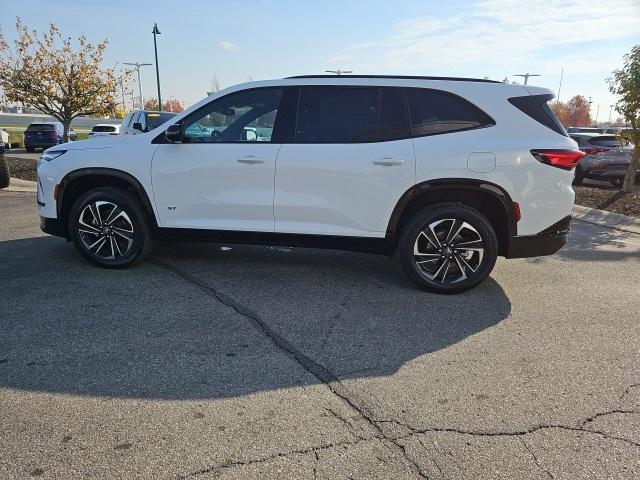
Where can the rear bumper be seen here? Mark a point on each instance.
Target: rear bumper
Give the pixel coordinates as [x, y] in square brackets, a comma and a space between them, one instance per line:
[53, 226]
[547, 242]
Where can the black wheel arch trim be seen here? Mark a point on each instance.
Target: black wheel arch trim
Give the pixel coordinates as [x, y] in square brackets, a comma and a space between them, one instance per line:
[453, 183]
[105, 172]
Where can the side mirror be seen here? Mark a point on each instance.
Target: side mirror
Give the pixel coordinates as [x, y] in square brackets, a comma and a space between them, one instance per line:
[137, 126]
[174, 133]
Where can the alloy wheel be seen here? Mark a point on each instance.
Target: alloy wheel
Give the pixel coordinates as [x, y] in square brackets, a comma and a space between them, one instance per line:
[448, 251]
[105, 230]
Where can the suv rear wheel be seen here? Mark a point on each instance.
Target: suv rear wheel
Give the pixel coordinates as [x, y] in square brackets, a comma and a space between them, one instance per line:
[448, 248]
[110, 228]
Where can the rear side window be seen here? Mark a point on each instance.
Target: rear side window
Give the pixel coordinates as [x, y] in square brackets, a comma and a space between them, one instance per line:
[334, 114]
[394, 122]
[536, 107]
[434, 112]
[337, 114]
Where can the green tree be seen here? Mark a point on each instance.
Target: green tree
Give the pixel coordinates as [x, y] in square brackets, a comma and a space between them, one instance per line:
[55, 76]
[625, 84]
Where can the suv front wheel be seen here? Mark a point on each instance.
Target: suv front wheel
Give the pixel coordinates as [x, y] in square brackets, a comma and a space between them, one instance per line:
[110, 228]
[448, 248]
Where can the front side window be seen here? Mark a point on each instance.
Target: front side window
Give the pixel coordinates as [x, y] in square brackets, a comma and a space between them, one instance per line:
[329, 114]
[247, 116]
[434, 112]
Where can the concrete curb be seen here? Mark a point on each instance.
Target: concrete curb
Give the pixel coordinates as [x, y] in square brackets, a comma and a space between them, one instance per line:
[18, 185]
[607, 219]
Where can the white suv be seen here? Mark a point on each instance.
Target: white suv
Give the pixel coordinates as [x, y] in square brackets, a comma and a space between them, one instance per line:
[450, 172]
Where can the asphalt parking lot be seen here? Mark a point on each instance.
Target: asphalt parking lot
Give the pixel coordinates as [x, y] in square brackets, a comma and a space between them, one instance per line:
[278, 363]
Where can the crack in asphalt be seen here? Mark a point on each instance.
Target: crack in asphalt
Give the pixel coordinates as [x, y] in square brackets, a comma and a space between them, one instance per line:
[338, 389]
[240, 463]
[519, 433]
[535, 458]
[314, 368]
[628, 389]
[345, 422]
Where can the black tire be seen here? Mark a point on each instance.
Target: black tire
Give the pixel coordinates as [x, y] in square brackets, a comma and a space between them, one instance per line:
[123, 252]
[617, 182]
[466, 268]
[578, 177]
[5, 177]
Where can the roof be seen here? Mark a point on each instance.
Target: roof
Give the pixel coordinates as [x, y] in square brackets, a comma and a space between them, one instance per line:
[403, 77]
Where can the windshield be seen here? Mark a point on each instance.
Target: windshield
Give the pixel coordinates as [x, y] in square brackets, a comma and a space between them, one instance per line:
[154, 119]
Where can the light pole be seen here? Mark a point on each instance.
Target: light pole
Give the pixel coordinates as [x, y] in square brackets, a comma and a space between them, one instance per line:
[560, 86]
[155, 48]
[124, 107]
[138, 65]
[595, 124]
[526, 76]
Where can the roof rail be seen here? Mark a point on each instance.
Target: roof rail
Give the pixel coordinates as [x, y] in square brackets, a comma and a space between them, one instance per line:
[407, 77]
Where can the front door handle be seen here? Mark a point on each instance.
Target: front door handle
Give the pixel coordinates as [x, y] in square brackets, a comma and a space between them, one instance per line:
[388, 161]
[251, 159]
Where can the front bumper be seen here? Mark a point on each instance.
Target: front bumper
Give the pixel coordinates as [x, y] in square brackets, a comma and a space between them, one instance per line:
[53, 226]
[547, 242]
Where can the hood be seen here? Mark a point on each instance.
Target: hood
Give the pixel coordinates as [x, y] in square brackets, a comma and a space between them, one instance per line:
[92, 143]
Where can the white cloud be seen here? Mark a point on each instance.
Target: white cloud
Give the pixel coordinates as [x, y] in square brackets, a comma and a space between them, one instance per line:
[501, 36]
[229, 46]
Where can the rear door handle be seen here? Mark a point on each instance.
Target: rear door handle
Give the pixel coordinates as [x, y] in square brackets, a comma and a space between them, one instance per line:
[388, 162]
[251, 159]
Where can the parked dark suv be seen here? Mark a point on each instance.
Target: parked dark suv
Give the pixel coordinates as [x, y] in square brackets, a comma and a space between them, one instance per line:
[43, 135]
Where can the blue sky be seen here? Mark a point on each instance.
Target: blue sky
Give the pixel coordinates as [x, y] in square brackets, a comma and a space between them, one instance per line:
[271, 39]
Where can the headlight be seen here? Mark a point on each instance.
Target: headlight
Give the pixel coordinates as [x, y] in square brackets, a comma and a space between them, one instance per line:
[50, 155]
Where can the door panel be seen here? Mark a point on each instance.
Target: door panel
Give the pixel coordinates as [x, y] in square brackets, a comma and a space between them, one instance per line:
[222, 174]
[206, 186]
[338, 177]
[341, 189]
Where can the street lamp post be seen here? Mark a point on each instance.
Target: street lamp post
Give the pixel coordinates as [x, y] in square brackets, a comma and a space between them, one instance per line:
[138, 65]
[124, 107]
[597, 113]
[155, 48]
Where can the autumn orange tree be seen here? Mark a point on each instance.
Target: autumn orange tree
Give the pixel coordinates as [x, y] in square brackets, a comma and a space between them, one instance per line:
[625, 84]
[574, 113]
[59, 77]
[171, 105]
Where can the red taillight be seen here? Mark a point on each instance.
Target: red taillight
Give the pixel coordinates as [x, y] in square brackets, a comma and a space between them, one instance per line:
[516, 211]
[565, 159]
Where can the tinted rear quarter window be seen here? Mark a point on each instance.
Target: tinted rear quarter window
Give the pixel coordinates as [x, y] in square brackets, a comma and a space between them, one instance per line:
[536, 107]
[434, 112]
